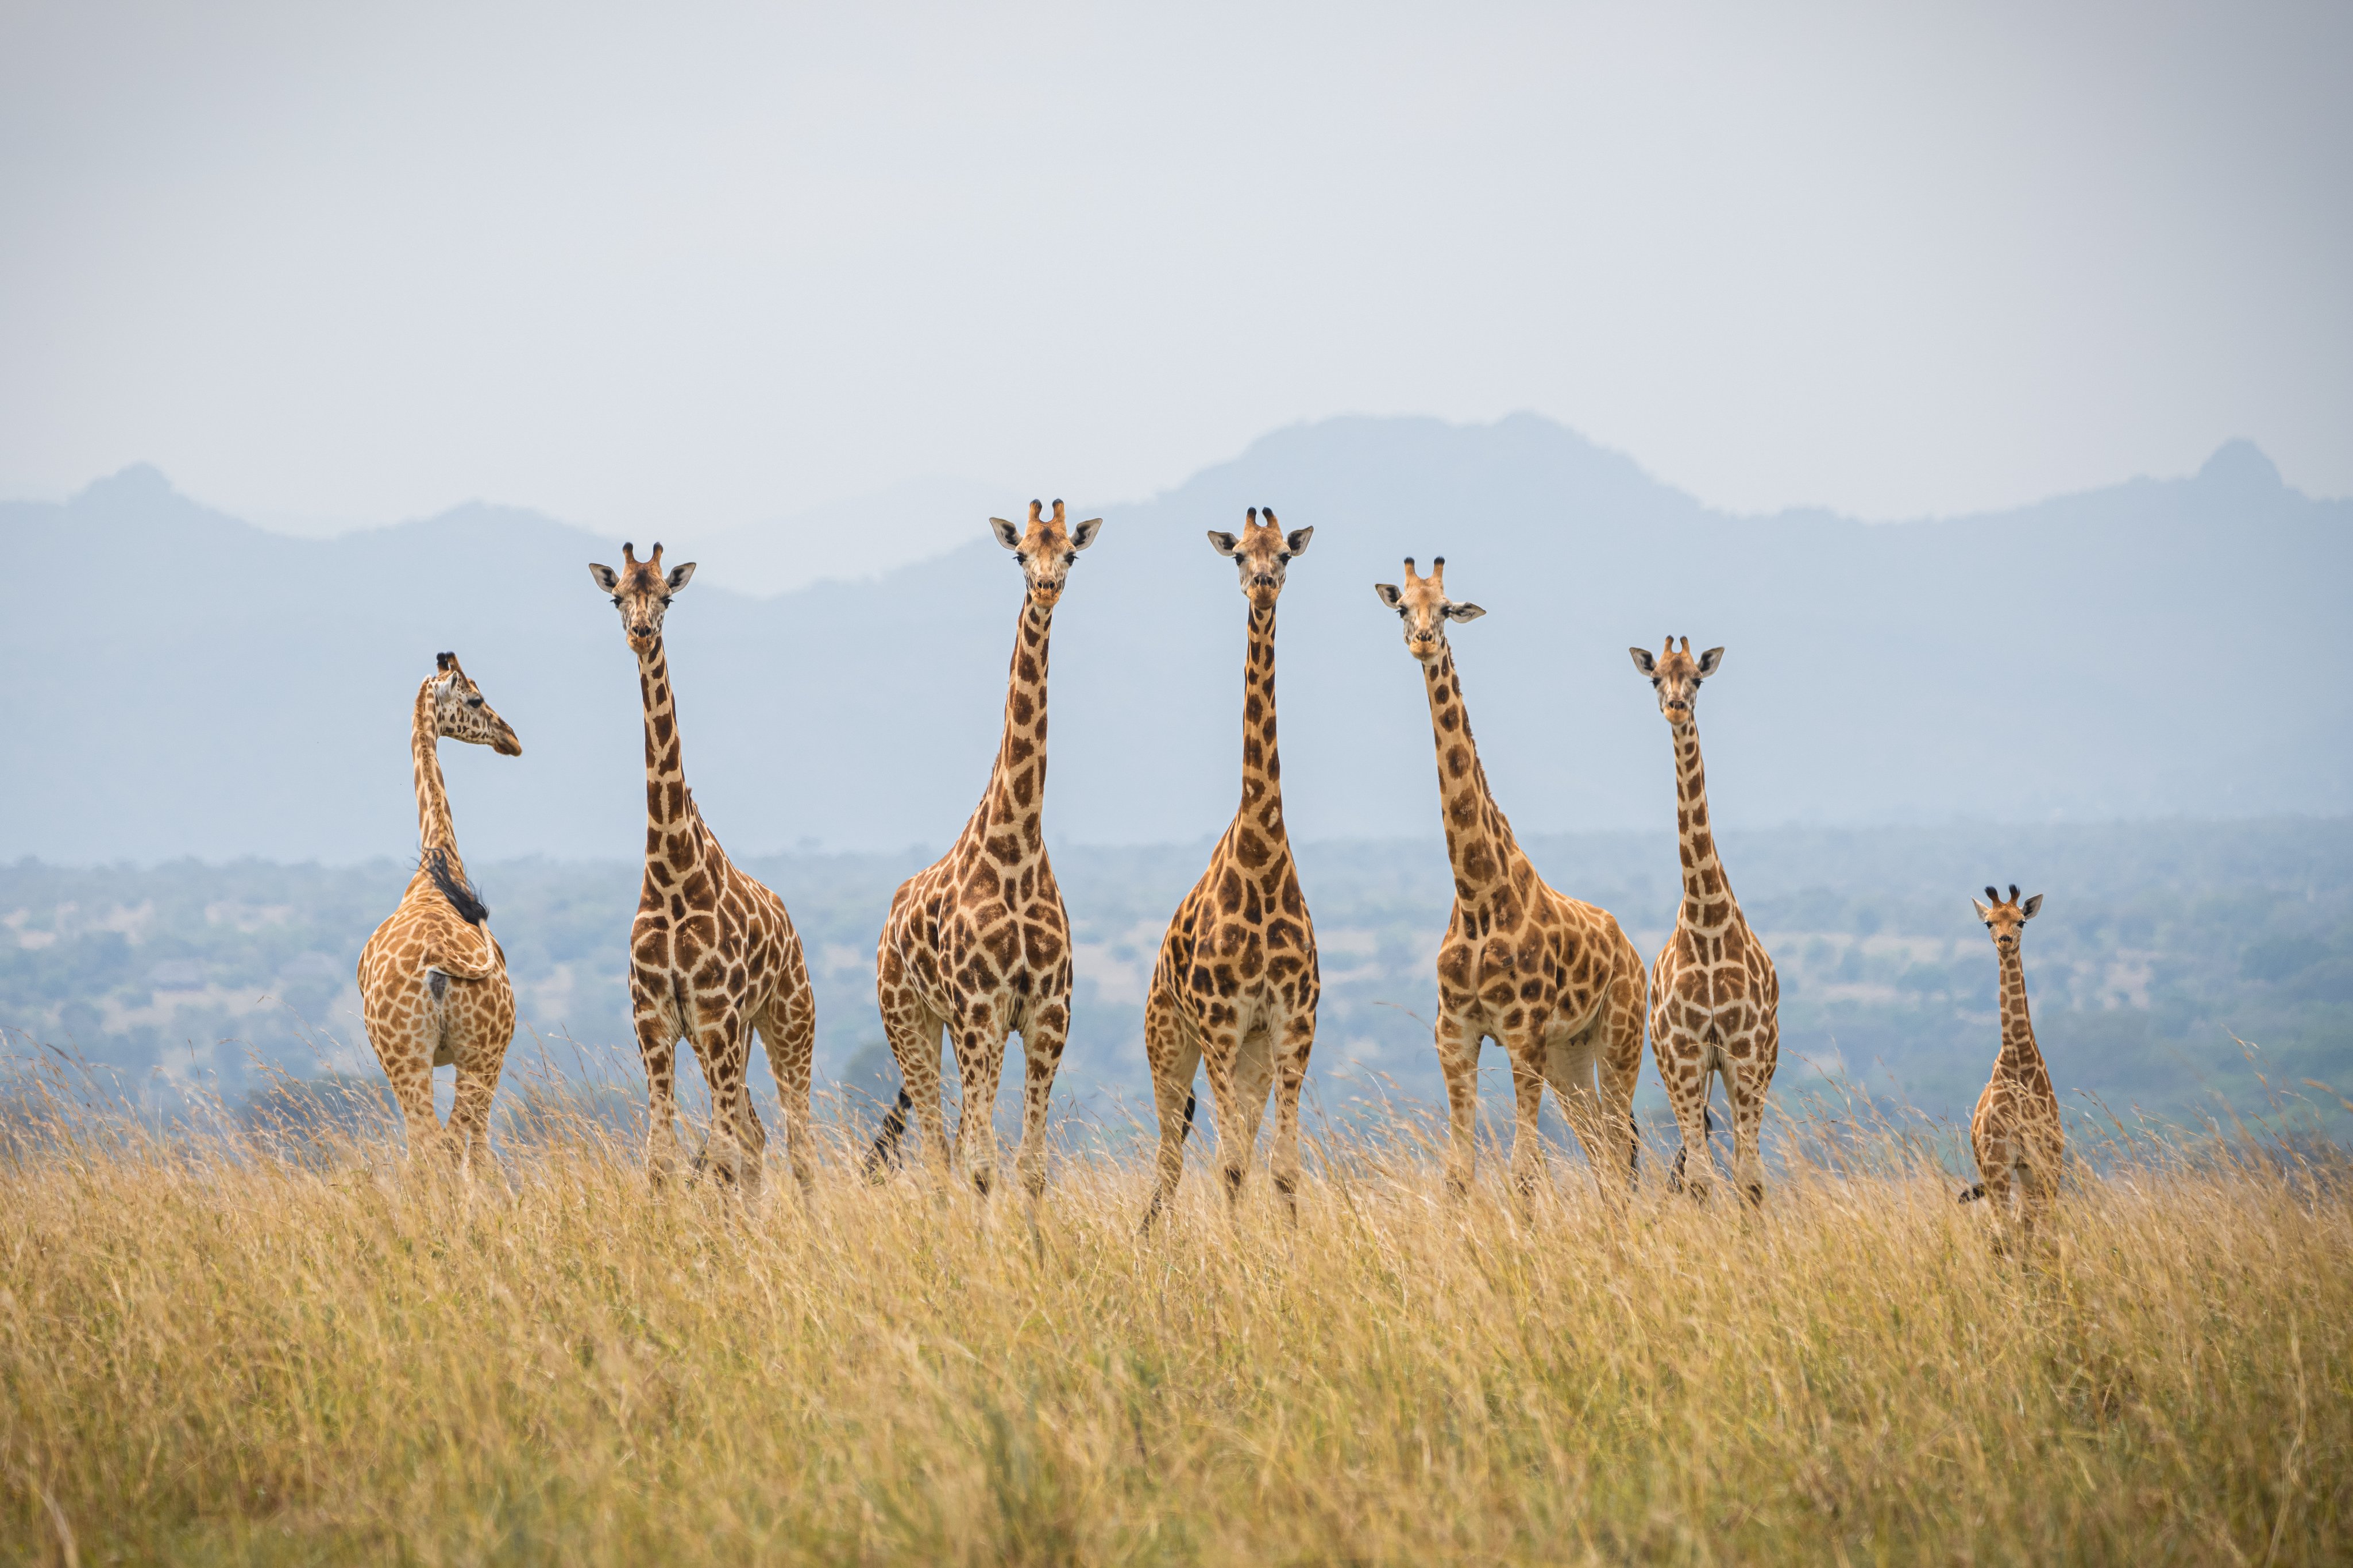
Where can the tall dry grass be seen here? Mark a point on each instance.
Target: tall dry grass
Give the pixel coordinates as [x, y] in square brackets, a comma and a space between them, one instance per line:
[220, 1349]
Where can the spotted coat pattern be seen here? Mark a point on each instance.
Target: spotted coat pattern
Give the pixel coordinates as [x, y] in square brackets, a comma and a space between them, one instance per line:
[978, 944]
[2015, 1131]
[1236, 983]
[1716, 1000]
[1551, 979]
[433, 986]
[712, 955]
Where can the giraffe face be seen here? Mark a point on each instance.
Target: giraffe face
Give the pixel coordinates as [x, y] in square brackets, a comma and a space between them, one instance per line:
[1046, 550]
[460, 714]
[1425, 609]
[642, 591]
[2006, 918]
[1675, 675]
[1261, 553]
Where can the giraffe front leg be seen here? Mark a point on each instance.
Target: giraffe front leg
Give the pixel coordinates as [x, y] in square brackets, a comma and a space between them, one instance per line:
[913, 1031]
[1175, 1057]
[1458, 1062]
[1680, 1057]
[656, 1034]
[1745, 1083]
[1042, 1037]
[737, 1139]
[980, 1065]
[1221, 1051]
[789, 1031]
[1292, 1043]
[1526, 1054]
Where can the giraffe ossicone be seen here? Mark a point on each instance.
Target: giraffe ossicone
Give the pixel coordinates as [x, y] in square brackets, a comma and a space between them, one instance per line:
[2015, 1131]
[1551, 979]
[712, 955]
[1715, 999]
[1235, 986]
[432, 979]
[978, 944]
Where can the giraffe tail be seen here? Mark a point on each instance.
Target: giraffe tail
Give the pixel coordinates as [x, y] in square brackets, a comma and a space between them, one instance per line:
[1974, 1194]
[1188, 1115]
[887, 1152]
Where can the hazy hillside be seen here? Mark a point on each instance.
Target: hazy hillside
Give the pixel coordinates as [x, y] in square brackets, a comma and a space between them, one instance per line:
[190, 685]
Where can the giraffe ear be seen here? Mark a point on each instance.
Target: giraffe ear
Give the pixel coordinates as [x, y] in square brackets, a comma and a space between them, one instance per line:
[1643, 661]
[1223, 543]
[677, 576]
[608, 580]
[2032, 904]
[1983, 913]
[1463, 612]
[1709, 660]
[1391, 594]
[1084, 534]
[1296, 539]
[1007, 534]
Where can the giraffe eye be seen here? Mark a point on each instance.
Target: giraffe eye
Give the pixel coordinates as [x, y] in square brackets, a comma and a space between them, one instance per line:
[665, 598]
[1282, 555]
[617, 598]
[1072, 559]
[475, 701]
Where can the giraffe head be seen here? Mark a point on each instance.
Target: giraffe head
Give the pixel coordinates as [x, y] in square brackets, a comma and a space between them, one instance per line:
[641, 590]
[1262, 553]
[1046, 550]
[2006, 918]
[1425, 609]
[460, 714]
[1675, 675]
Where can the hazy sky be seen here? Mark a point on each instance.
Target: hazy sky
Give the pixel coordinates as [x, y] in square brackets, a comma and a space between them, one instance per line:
[677, 264]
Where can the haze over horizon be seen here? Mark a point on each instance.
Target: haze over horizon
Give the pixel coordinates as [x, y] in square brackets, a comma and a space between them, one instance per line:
[329, 269]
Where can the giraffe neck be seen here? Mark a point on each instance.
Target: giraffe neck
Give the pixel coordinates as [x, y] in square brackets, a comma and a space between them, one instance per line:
[1477, 839]
[1704, 881]
[1261, 804]
[435, 830]
[2020, 1053]
[1015, 805]
[669, 808]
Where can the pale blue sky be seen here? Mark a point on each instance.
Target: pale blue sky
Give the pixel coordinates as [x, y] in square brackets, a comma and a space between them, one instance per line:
[715, 265]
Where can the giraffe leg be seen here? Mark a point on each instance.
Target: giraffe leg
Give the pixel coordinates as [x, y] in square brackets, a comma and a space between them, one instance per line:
[788, 1031]
[479, 1052]
[1601, 1127]
[1221, 1049]
[1745, 1084]
[1042, 1035]
[1175, 1057]
[980, 1065]
[1620, 1067]
[1458, 1061]
[914, 1036]
[1253, 1076]
[401, 1027]
[1527, 1055]
[1678, 1057]
[657, 1031]
[1291, 1045]
[737, 1139]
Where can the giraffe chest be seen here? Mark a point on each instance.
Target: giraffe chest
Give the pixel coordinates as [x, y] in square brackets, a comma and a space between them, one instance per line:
[990, 932]
[1241, 943]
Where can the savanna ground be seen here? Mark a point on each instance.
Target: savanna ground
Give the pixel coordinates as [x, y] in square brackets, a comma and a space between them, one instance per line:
[235, 1346]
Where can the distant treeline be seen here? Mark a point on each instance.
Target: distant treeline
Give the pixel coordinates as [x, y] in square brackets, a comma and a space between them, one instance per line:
[2177, 967]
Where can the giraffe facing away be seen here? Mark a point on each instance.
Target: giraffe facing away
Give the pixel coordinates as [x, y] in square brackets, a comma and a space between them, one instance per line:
[433, 980]
[1716, 1001]
[1236, 983]
[1552, 980]
[2016, 1129]
[978, 944]
[712, 955]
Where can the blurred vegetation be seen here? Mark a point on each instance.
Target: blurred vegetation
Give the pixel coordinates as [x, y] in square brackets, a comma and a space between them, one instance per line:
[2177, 967]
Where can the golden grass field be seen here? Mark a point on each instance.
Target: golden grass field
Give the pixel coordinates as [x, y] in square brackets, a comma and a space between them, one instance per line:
[210, 1351]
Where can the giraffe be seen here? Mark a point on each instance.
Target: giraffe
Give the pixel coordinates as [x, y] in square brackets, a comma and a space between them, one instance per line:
[978, 944]
[433, 980]
[1236, 982]
[712, 955]
[1715, 1001]
[1552, 980]
[2016, 1127]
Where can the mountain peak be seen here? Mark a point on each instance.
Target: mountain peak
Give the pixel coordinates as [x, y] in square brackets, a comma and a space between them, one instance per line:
[139, 482]
[2240, 465]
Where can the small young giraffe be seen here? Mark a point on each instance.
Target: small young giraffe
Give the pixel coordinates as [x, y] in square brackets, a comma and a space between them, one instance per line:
[433, 981]
[712, 956]
[1553, 980]
[1716, 1001]
[979, 944]
[2016, 1127]
[1236, 983]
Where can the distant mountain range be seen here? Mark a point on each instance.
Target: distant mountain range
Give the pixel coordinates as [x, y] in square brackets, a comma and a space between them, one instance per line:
[185, 684]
